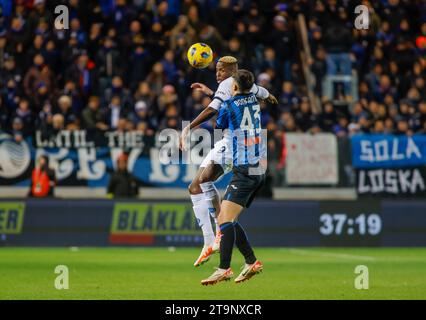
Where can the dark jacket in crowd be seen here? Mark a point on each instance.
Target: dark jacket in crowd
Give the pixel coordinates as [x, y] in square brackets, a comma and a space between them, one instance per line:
[123, 184]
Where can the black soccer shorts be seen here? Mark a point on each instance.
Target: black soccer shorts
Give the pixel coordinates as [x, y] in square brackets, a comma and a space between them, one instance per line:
[243, 186]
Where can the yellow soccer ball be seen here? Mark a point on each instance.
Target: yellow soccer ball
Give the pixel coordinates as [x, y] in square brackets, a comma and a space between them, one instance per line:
[200, 55]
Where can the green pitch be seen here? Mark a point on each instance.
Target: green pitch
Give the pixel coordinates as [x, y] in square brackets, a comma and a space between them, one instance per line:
[159, 273]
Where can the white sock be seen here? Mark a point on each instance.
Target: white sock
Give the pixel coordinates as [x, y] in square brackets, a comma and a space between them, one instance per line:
[201, 211]
[217, 225]
[211, 195]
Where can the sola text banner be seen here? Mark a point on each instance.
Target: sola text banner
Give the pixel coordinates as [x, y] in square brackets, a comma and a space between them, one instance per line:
[388, 151]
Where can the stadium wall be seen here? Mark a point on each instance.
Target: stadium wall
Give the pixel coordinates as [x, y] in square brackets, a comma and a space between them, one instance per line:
[54, 222]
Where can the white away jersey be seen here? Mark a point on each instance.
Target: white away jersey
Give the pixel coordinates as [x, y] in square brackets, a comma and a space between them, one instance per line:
[224, 93]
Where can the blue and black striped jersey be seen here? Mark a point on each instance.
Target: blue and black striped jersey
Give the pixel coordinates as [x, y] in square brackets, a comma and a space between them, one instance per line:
[240, 115]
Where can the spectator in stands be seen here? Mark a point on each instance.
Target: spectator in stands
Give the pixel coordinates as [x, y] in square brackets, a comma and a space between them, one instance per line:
[304, 117]
[71, 122]
[81, 71]
[139, 65]
[39, 13]
[71, 90]
[170, 67]
[264, 80]
[18, 130]
[39, 74]
[92, 115]
[43, 179]
[420, 118]
[44, 121]
[171, 119]
[270, 61]
[341, 128]
[144, 93]
[168, 96]
[24, 114]
[143, 120]
[4, 116]
[10, 70]
[58, 123]
[319, 69]
[282, 39]
[287, 123]
[109, 62]
[338, 43]
[236, 49]
[328, 118]
[114, 112]
[193, 105]
[122, 183]
[182, 32]
[156, 78]
[288, 97]
[209, 34]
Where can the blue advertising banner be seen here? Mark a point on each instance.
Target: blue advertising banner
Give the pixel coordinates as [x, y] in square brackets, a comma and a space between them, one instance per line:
[78, 161]
[388, 151]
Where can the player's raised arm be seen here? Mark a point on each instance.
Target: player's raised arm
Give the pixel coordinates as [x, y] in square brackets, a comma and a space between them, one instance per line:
[199, 86]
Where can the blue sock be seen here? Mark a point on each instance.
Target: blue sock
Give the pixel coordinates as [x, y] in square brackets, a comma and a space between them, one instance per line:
[226, 244]
[243, 244]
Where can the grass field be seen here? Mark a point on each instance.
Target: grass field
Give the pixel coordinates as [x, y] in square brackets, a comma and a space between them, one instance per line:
[159, 273]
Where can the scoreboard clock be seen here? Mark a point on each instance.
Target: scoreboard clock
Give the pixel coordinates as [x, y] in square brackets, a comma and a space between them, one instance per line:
[355, 224]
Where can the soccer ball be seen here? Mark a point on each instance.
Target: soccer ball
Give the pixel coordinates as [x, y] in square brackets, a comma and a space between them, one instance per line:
[200, 55]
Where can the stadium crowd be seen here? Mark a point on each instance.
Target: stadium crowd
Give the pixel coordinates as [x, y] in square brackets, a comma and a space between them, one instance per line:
[122, 65]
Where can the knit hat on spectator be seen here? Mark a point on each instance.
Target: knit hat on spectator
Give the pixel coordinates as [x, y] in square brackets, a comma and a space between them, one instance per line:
[263, 77]
[141, 106]
[279, 18]
[17, 120]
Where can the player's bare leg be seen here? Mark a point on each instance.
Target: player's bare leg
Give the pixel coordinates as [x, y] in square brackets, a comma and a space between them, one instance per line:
[203, 207]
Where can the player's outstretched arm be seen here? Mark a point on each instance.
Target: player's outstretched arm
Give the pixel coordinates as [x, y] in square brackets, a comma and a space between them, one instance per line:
[271, 99]
[204, 116]
[264, 94]
[199, 86]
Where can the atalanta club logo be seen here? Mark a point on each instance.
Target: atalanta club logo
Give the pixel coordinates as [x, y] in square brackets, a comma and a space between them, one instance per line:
[14, 157]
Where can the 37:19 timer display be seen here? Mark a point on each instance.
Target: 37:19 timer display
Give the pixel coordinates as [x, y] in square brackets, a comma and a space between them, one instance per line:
[342, 224]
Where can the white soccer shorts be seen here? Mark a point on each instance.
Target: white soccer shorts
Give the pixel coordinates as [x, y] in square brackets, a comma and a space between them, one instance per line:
[220, 154]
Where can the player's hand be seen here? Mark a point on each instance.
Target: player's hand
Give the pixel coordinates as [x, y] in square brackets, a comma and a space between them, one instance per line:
[182, 140]
[199, 86]
[271, 99]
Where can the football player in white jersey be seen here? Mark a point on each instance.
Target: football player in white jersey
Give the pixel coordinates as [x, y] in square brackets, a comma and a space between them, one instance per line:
[204, 195]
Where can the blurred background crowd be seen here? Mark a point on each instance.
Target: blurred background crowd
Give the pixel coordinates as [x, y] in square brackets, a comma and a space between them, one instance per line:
[122, 65]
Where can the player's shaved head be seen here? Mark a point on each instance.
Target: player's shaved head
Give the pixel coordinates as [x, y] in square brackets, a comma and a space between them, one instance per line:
[226, 67]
